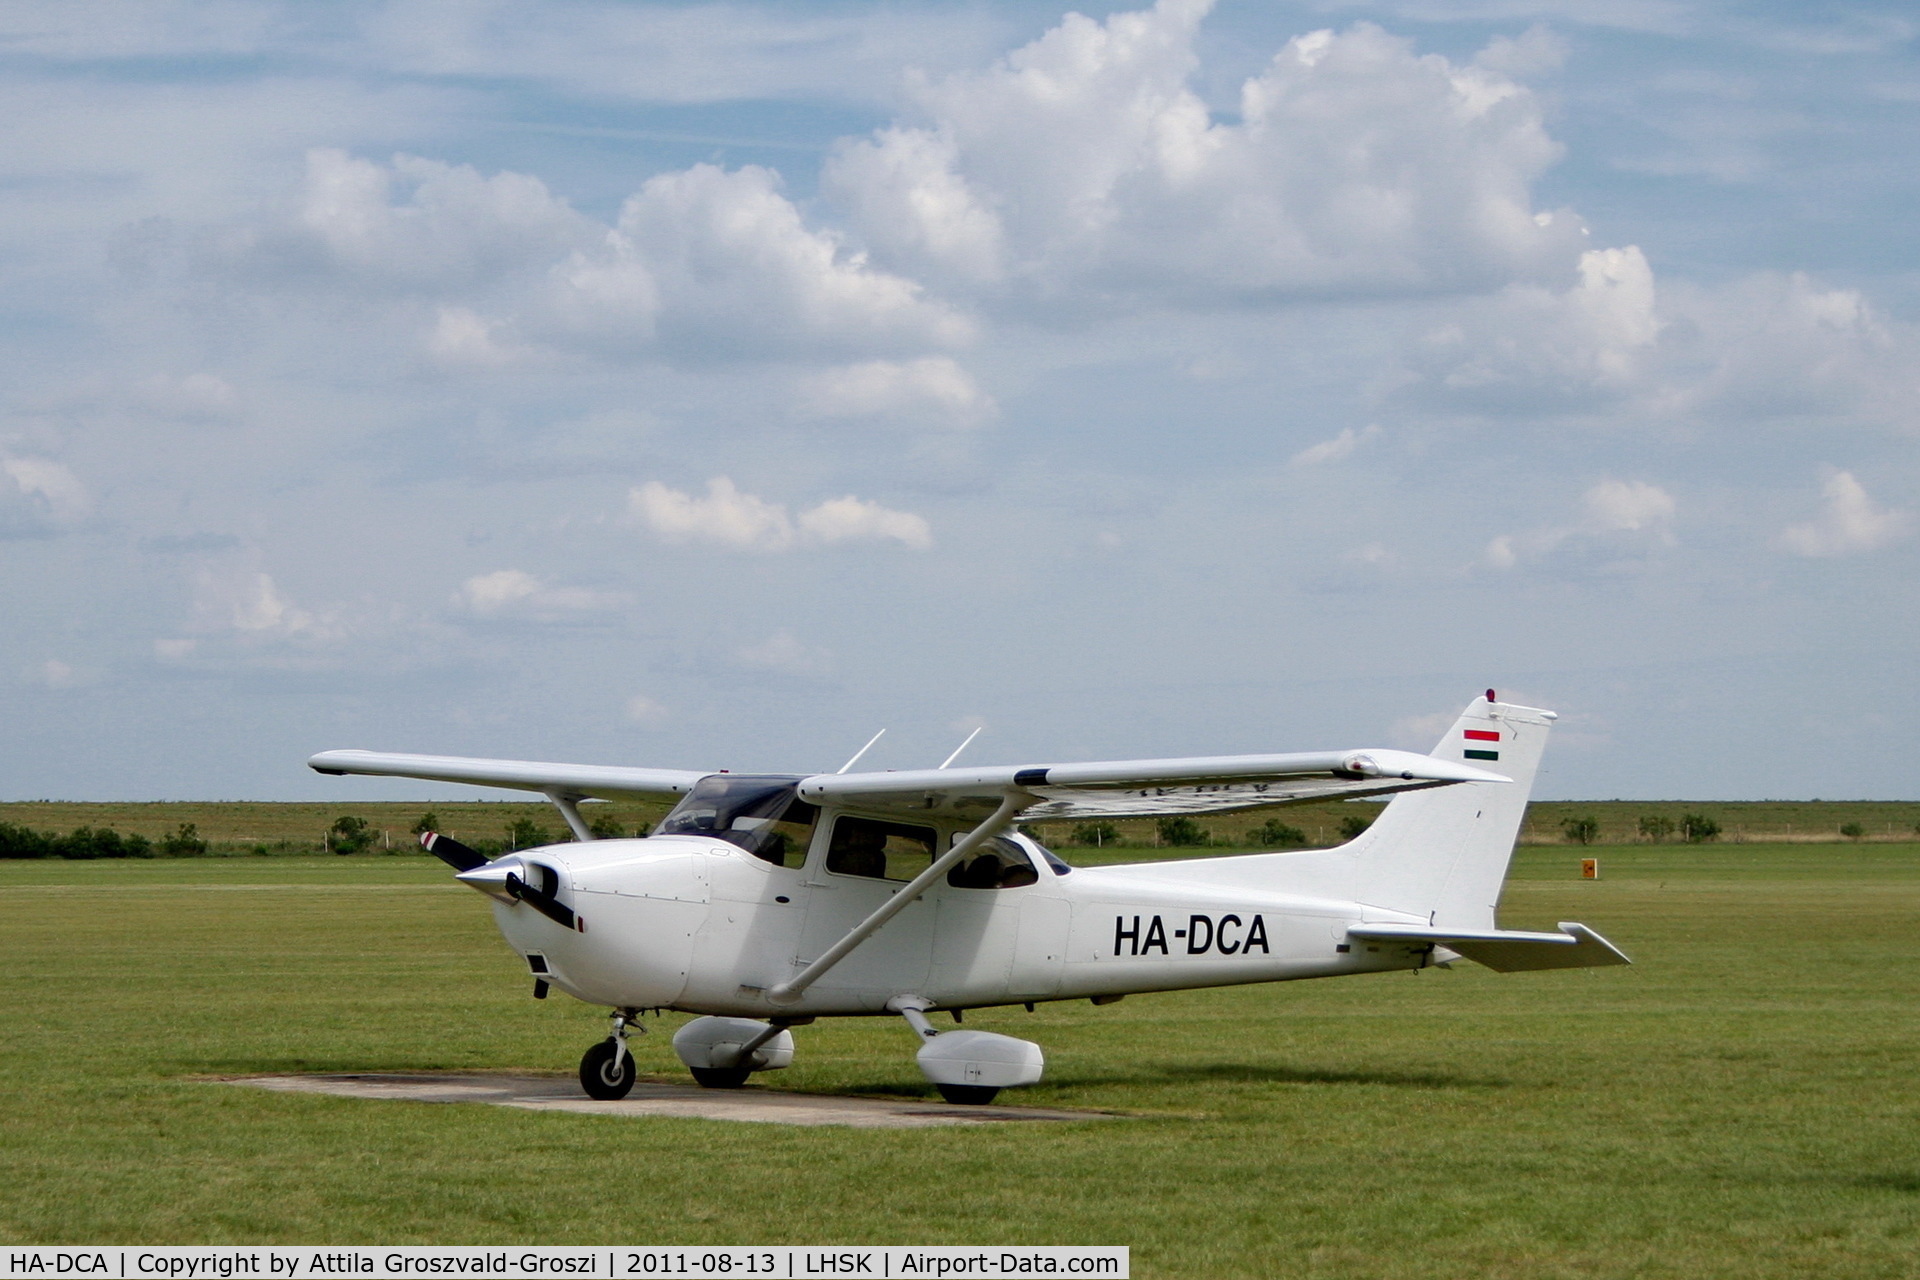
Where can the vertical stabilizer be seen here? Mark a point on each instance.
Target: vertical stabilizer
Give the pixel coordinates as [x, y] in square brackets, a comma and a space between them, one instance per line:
[1443, 853]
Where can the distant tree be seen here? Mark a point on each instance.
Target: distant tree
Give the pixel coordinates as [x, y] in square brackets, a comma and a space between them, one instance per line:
[87, 843]
[1183, 833]
[1656, 828]
[525, 833]
[1580, 830]
[1095, 834]
[1853, 831]
[429, 822]
[24, 842]
[1275, 834]
[1697, 828]
[1353, 824]
[605, 825]
[183, 842]
[349, 835]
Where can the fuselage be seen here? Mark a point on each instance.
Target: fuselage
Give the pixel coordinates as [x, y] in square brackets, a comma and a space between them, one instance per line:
[699, 923]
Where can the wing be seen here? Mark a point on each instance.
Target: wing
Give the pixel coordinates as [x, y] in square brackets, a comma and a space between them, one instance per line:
[1144, 788]
[571, 781]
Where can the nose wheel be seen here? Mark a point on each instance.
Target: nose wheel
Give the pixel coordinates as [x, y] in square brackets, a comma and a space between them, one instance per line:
[607, 1070]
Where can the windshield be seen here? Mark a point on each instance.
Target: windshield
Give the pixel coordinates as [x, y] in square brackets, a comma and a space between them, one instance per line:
[763, 815]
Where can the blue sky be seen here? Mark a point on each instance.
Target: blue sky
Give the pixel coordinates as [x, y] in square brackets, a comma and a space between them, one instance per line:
[712, 385]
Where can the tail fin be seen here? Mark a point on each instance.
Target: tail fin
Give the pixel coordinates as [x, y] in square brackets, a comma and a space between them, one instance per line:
[1443, 853]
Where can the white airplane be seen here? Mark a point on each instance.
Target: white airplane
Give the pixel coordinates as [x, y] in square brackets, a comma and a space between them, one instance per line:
[764, 902]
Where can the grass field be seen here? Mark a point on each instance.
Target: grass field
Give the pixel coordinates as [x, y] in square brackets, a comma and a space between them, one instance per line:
[1740, 1103]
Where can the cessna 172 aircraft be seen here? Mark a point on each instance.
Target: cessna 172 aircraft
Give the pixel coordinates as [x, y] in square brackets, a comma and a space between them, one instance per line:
[765, 902]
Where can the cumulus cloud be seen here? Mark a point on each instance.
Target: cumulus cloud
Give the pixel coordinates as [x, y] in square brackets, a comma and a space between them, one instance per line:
[1086, 160]
[1783, 346]
[851, 519]
[462, 337]
[1628, 506]
[781, 652]
[1849, 522]
[39, 496]
[250, 603]
[702, 261]
[644, 710]
[1337, 449]
[735, 262]
[492, 592]
[1534, 344]
[55, 674]
[1622, 523]
[725, 515]
[241, 613]
[730, 518]
[415, 223]
[1766, 347]
[517, 593]
[195, 397]
[931, 389]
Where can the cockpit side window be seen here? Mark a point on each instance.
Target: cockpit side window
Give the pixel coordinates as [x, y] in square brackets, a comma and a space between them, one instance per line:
[762, 815]
[879, 850]
[999, 864]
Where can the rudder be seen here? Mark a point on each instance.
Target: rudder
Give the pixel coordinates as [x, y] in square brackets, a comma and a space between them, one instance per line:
[1443, 853]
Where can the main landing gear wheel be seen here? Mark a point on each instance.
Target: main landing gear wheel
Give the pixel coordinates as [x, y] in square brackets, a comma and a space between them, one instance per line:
[720, 1077]
[607, 1071]
[971, 1095]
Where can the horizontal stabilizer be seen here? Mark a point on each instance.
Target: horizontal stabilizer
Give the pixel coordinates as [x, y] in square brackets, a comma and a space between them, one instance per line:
[1506, 950]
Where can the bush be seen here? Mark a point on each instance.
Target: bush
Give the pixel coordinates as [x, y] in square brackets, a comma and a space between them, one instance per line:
[1183, 833]
[525, 833]
[1580, 830]
[24, 842]
[1353, 824]
[1094, 834]
[429, 822]
[1853, 831]
[1656, 828]
[87, 844]
[349, 835]
[1697, 828]
[184, 842]
[1275, 834]
[606, 826]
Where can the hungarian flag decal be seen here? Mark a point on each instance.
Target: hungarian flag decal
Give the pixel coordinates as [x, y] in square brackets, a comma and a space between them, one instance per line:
[1482, 735]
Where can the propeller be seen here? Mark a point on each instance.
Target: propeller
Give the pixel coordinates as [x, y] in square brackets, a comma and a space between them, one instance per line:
[467, 866]
[450, 851]
[540, 900]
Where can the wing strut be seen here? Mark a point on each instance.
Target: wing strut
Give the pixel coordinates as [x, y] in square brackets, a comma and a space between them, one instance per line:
[1010, 807]
[569, 806]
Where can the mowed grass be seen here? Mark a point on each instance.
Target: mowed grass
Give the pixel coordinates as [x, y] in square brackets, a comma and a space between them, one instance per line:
[1742, 1102]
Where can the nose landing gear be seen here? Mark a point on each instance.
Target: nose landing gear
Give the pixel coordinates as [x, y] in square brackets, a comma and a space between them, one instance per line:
[607, 1070]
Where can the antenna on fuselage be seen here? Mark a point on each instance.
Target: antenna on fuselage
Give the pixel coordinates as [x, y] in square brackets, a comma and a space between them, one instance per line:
[962, 747]
[862, 751]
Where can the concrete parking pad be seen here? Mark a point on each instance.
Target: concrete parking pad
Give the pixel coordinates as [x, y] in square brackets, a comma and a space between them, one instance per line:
[652, 1098]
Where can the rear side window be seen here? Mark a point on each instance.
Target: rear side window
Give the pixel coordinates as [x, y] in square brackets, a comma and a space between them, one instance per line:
[879, 850]
[998, 864]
